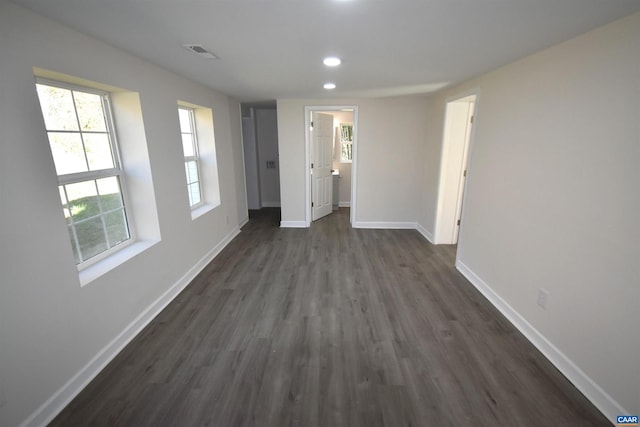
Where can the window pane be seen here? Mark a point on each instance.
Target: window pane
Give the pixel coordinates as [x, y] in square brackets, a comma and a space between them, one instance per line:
[194, 193]
[68, 153]
[110, 195]
[74, 246]
[65, 207]
[57, 108]
[98, 151]
[91, 237]
[83, 200]
[90, 112]
[116, 223]
[187, 145]
[185, 120]
[192, 171]
[347, 151]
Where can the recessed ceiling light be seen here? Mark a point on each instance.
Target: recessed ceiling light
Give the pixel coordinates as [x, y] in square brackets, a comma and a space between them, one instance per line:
[332, 61]
[329, 86]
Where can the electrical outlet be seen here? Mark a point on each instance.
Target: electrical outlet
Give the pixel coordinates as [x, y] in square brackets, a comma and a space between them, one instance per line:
[543, 297]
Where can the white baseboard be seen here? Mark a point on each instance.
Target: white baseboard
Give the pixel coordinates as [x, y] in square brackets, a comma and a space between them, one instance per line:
[344, 204]
[592, 391]
[425, 233]
[293, 224]
[384, 225]
[270, 204]
[243, 222]
[56, 403]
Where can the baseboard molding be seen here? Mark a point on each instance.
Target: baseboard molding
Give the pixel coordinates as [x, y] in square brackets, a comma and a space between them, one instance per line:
[293, 224]
[384, 225]
[344, 204]
[270, 204]
[243, 222]
[425, 233]
[56, 403]
[592, 391]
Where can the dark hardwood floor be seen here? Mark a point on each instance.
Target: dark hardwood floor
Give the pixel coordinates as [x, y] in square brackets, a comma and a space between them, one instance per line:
[330, 326]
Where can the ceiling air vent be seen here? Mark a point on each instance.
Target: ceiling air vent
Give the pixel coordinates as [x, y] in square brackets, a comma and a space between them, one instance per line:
[200, 51]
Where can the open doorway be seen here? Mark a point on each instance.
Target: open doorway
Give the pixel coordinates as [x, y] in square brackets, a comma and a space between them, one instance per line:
[342, 162]
[261, 157]
[457, 138]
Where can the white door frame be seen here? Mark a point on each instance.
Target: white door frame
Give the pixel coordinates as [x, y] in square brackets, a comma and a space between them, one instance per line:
[307, 153]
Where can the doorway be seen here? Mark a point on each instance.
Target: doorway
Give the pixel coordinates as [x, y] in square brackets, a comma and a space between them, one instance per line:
[457, 138]
[261, 157]
[345, 117]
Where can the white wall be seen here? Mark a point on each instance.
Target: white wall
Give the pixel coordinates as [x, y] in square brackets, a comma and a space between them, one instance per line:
[552, 201]
[267, 142]
[389, 158]
[50, 327]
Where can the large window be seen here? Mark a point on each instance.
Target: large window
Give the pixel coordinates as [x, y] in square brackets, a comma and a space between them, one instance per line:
[90, 180]
[191, 157]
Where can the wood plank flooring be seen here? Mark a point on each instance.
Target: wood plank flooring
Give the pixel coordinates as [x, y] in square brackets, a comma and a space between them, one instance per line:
[330, 326]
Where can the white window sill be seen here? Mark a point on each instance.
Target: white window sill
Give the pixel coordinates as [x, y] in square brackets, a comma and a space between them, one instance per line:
[102, 267]
[201, 210]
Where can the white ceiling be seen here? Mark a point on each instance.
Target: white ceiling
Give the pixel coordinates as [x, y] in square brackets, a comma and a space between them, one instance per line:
[271, 49]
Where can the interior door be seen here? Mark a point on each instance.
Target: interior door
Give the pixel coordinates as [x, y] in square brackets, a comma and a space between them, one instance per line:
[322, 161]
[463, 177]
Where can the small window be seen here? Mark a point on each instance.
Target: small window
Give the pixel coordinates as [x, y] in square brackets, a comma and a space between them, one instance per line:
[191, 156]
[346, 142]
[79, 127]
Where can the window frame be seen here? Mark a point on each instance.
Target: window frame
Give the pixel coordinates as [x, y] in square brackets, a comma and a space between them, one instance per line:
[344, 142]
[195, 158]
[116, 171]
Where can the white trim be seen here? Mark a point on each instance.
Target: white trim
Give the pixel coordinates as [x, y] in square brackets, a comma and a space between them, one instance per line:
[354, 165]
[270, 204]
[344, 204]
[244, 169]
[425, 233]
[57, 402]
[386, 225]
[125, 252]
[201, 209]
[592, 391]
[293, 224]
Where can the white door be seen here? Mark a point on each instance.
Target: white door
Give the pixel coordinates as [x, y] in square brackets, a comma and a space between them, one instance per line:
[463, 177]
[321, 163]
